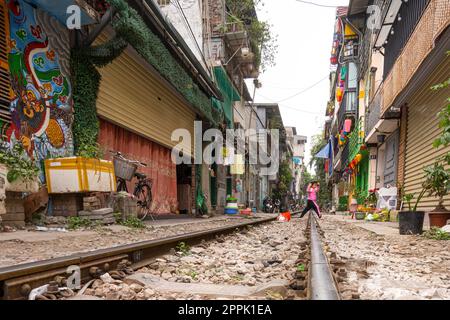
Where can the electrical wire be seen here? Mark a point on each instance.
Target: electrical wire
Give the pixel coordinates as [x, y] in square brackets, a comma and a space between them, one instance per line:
[289, 107]
[317, 4]
[304, 90]
[192, 35]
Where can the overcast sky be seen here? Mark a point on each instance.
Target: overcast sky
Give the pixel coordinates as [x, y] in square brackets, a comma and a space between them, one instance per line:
[305, 34]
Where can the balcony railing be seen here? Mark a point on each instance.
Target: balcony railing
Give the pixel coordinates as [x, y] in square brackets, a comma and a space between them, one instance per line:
[355, 140]
[345, 110]
[374, 112]
[411, 14]
[432, 23]
[345, 157]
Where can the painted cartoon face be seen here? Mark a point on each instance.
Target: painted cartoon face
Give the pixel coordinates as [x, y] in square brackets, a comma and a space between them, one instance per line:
[47, 87]
[31, 96]
[13, 44]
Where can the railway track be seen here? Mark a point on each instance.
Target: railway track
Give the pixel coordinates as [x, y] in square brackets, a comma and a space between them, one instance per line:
[16, 282]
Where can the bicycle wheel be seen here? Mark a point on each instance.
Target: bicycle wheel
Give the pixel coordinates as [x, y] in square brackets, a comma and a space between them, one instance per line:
[143, 194]
[121, 185]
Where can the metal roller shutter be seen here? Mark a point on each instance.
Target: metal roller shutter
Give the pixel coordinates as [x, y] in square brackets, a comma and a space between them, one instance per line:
[5, 115]
[134, 98]
[423, 129]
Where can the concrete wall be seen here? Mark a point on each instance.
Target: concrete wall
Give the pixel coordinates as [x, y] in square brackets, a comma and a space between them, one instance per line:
[193, 11]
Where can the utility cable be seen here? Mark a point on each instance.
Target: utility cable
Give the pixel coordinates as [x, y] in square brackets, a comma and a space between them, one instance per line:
[288, 107]
[304, 90]
[186, 22]
[317, 4]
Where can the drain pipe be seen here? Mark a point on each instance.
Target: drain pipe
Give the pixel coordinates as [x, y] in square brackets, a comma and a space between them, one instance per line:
[322, 282]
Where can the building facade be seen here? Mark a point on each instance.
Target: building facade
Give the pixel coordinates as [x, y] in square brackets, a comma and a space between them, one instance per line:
[395, 122]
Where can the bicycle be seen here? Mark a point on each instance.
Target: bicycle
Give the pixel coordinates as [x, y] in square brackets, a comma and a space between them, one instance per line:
[126, 171]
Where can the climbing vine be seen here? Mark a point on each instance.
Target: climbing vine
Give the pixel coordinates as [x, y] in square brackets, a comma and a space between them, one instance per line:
[86, 85]
[131, 30]
[262, 39]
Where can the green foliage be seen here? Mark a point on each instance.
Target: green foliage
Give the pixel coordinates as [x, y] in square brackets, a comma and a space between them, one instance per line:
[18, 164]
[184, 248]
[130, 29]
[318, 142]
[74, 223]
[301, 267]
[444, 120]
[343, 203]
[408, 198]
[90, 151]
[86, 83]
[132, 222]
[263, 42]
[436, 234]
[285, 180]
[232, 199]
[372, 197]
[361, 197]
[437, 181]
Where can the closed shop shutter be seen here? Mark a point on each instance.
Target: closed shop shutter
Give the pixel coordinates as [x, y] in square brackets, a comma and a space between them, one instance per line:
[159, 165]
[391, 159]
[423, 129]
[5, 116]
[132, 97]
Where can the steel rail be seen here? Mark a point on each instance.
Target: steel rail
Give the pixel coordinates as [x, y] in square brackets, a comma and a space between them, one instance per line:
[322, 284]
[17, 281]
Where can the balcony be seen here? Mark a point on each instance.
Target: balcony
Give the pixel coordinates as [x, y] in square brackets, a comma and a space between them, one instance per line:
[411, 14]
[355, 141]
[345, 157]
[348, 108]
[431, 25]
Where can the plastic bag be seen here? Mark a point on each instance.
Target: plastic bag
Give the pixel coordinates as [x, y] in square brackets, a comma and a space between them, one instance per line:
[284, 217]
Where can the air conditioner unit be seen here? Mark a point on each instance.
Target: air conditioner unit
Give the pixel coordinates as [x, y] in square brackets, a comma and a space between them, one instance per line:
[245, 52]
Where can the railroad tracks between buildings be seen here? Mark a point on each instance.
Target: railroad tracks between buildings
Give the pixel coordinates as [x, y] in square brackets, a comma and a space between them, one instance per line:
[16, 282]
[317, 279]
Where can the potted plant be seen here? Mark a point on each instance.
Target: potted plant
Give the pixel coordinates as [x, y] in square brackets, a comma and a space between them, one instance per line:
[18, 172]
[411, 221]
[437, 183]
[361, 208]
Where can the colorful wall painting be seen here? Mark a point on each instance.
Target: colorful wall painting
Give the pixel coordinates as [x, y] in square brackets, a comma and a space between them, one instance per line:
[42, 105]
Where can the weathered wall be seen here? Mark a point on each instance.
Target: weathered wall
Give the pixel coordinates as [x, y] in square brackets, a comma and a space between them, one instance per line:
[193, 12]
[158, 159]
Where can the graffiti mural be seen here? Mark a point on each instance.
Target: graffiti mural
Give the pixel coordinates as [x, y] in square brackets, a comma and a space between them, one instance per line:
[41, 107]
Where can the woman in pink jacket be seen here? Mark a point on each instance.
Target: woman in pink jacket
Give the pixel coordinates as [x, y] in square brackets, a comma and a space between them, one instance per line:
[312, 190]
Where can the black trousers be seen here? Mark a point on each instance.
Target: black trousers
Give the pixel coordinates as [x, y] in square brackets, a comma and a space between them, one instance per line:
[310, 206]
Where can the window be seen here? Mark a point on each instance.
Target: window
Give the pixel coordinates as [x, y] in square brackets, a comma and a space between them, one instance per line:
[352, 76]
[163, 3]
[350, 101]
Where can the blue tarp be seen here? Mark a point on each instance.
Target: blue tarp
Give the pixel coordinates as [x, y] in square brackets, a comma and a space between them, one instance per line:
[58, 9]
[327, 153]
[324, 153]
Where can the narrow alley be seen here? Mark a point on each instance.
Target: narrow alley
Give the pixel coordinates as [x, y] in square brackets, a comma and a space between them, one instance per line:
[224, 150]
